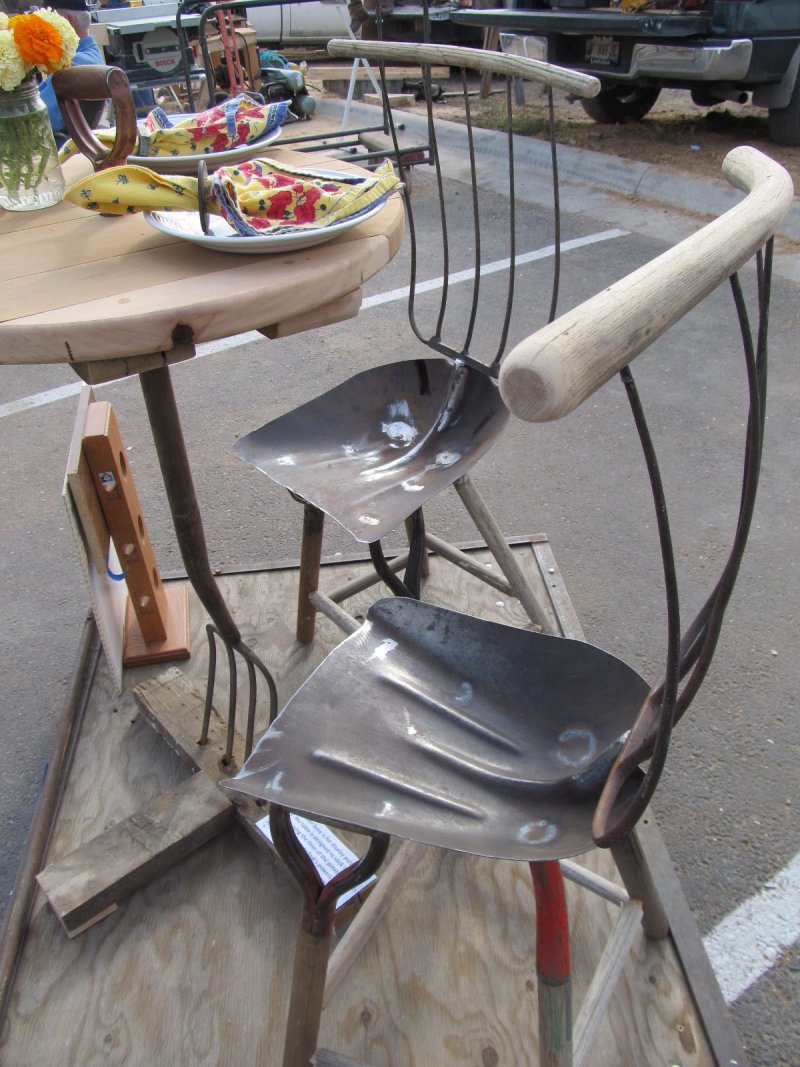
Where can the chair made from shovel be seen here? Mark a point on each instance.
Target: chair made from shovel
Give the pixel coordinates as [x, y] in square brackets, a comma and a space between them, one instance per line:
[373, 450]
[440, 728]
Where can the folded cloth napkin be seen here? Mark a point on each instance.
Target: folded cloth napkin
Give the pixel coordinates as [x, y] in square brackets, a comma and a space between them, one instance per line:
[255, 198]
[235, 122]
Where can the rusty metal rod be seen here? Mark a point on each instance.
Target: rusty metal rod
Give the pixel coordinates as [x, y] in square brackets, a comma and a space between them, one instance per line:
[358, 585]
[165, 426]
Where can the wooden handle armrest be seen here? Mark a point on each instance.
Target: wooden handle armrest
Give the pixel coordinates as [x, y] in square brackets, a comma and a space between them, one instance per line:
[555, 369]
[97, 82]
[469, 58]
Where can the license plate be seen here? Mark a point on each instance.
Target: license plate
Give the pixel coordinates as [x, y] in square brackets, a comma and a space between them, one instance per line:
[603, 51]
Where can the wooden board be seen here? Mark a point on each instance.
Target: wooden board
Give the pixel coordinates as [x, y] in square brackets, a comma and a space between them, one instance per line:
[334, 73]
[86, 287]
[194, 967]
[175, 645]
[80, 484]
[87, 885]
[96, 552]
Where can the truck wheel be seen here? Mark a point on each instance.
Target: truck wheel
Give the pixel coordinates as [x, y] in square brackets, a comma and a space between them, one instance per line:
[784, 122]
[622, 103]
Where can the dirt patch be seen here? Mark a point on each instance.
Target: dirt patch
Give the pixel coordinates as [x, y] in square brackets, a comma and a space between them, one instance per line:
[676, 134]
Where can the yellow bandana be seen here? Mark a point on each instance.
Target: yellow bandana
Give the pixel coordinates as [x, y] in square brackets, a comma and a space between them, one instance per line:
[238, 121]
[255, 197]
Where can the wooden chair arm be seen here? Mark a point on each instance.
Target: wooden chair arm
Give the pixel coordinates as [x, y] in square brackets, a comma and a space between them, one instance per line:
[96, 82]
[555, 369]
[470, 59]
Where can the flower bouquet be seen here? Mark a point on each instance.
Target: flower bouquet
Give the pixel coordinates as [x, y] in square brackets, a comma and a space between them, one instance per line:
[41, 41]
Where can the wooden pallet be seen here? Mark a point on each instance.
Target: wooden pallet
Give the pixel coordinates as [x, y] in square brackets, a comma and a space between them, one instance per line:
[192, 968]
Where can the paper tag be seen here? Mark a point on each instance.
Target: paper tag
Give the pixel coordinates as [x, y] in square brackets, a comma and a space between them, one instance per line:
[328, 854]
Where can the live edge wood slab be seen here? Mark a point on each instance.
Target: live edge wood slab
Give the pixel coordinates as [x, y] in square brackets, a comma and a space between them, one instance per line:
[83, 289]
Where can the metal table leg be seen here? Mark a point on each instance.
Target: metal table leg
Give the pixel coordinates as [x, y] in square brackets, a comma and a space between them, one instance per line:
[165, 425]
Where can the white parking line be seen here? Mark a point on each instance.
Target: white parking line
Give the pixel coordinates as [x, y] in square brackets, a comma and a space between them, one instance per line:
[52, 396]
[493, 268]
[747, 942]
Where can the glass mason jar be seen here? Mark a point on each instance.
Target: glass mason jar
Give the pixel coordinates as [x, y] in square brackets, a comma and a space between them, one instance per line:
[30, 174]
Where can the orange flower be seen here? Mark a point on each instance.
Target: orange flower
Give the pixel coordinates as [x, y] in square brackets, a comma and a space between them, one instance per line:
[37, 41]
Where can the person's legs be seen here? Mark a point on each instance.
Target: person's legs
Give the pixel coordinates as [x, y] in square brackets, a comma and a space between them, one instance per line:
[362, 16]
[358, 15]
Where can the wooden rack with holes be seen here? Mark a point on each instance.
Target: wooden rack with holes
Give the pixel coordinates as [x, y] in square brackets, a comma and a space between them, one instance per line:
[108, 512]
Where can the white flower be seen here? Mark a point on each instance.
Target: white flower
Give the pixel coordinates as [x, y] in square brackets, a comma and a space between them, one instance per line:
[12, 69]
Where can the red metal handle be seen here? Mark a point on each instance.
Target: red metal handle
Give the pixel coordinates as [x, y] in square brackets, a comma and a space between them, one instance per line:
[552, 922]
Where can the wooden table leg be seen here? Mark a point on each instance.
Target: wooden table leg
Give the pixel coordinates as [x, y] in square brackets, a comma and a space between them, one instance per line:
[491, 42]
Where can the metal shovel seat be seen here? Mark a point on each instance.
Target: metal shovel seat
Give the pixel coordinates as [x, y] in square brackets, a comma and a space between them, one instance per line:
[493, 740]
[372, 451]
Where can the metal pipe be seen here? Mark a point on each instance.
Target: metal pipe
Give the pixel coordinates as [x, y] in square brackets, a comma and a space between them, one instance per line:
[165, 426]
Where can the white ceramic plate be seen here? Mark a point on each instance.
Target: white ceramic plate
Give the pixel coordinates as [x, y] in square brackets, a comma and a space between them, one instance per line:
[188, 164]
[224, 238]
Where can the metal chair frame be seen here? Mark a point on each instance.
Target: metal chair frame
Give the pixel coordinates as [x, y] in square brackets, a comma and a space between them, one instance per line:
[545, 377]
[264, 447]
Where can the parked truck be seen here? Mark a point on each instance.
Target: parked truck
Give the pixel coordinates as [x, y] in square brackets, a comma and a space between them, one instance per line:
[718, 50]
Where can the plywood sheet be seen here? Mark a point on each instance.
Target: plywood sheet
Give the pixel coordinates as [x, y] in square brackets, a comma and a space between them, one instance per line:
[194, 968]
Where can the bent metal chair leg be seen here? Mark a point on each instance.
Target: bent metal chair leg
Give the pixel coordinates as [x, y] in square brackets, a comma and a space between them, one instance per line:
[316, 930]
[308, 578]
[162, 411]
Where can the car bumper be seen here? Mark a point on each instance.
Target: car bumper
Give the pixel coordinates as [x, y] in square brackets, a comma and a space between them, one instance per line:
[728, 62]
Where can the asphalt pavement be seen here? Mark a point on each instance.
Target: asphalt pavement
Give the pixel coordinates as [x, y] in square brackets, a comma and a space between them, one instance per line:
[728, 803]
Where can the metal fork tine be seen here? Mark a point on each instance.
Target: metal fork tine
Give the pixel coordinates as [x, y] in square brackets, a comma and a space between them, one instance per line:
[253, 664]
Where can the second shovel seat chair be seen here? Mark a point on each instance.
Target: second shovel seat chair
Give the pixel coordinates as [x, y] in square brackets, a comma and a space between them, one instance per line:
[432, 745]
[373, 450]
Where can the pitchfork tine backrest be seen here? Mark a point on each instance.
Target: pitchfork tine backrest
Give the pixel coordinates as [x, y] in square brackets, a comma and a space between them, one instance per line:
[373, 451]
[454, 339]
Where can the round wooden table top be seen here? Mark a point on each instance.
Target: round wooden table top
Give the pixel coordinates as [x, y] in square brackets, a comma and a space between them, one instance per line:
[79, 287]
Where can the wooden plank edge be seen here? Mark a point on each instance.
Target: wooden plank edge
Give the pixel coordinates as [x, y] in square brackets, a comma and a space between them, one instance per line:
[349, 557]
[174, 707]
[86, 885]
[16, 926]
[720, 1031]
